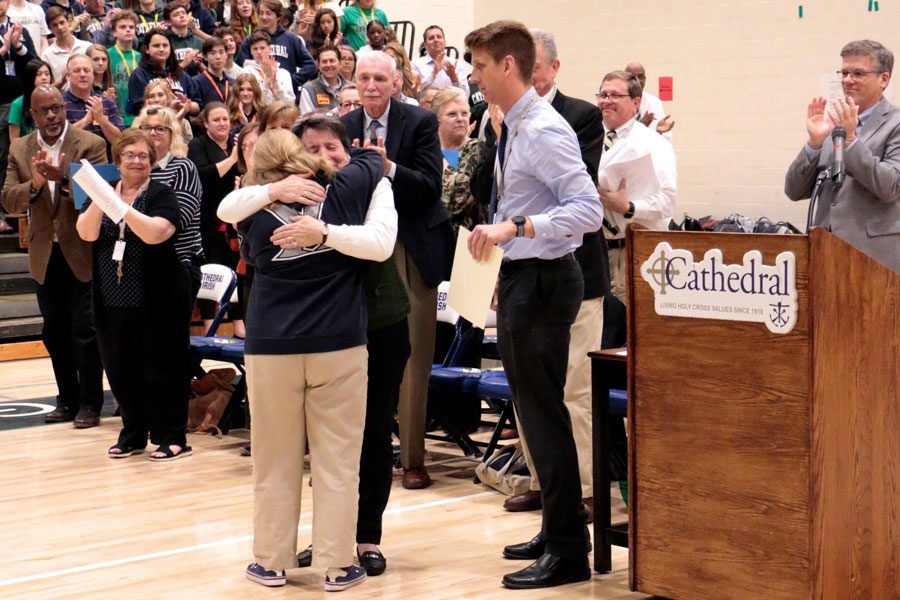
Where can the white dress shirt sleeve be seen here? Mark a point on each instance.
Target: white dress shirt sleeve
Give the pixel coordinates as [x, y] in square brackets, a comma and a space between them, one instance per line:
[240, 204]
[375, 238]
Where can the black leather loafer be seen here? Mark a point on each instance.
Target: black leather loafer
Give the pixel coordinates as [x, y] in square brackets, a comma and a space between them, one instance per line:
[531, 550]
[373, 562]
[549, 571]
[304, 559]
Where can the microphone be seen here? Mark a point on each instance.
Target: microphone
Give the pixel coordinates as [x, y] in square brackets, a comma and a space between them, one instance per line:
[838, 136]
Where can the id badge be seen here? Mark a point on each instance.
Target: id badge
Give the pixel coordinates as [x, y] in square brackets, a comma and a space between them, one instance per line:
[10, 68]
[119, 251]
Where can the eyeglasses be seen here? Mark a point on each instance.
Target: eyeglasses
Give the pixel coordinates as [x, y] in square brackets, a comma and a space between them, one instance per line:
[157, 129]
[608, 96]
[53, 108]
[855, 74]
[141, 156]
[351, 104]
[456, 115]
[348, 59]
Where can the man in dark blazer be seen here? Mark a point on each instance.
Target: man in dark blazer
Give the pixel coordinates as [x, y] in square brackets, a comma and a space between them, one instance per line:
[587, 122]
[59, 261]
[407, 138]
[865, 210]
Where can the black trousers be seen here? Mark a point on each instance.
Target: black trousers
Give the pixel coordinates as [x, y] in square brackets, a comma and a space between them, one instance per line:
[388, 352]
[145, 354]
[69, 335]
[538, 303]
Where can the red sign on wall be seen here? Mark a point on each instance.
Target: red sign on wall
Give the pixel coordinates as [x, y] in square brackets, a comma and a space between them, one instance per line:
[665, 88]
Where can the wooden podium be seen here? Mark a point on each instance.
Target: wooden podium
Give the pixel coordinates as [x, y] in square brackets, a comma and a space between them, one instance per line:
[767, 465]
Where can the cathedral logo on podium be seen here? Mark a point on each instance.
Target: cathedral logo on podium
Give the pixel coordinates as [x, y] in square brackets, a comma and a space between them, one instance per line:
[710, 289]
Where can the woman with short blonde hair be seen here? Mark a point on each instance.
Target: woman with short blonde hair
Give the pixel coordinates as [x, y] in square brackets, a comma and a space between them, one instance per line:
[179, 174]
[159, 93]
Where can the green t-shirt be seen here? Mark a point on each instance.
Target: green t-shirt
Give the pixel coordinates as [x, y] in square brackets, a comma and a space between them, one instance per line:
[122, 63]
[354, 22]
[15, 116]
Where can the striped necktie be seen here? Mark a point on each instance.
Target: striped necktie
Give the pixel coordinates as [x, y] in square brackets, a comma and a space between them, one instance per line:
[373, 132]
[610, 230]
[609, 139]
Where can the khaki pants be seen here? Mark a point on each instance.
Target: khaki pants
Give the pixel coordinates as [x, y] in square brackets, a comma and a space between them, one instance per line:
[324, 396]
[414, 388]
[618, 272]
[586, 332]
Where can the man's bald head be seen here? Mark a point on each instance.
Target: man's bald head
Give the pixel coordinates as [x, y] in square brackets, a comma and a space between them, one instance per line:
[49, 112]
[45, 92]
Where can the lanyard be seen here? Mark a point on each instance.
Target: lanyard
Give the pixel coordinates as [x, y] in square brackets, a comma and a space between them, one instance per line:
[248, 28]
[216, 86]
[500, 171]
[371, 15]
[125, 61]
[155, 19]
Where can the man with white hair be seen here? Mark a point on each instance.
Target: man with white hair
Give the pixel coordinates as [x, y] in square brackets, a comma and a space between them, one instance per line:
[407, 138]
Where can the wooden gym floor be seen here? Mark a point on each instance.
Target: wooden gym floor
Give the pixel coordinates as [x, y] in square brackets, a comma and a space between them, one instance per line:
[75, 524]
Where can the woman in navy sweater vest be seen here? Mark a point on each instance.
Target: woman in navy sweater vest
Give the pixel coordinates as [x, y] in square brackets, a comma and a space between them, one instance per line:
[306, 364]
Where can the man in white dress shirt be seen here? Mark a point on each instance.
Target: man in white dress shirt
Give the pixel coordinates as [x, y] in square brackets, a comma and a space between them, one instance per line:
[436, 69]
[618, 100]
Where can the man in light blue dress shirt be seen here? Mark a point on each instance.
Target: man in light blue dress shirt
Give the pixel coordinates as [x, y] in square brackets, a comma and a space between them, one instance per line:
[544, 203]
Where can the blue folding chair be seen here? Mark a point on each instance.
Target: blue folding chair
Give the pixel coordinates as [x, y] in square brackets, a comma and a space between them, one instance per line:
[219, 284]
[449, 381]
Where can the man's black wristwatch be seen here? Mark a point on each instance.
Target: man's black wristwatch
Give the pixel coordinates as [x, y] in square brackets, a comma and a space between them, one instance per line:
[630, 212]
[519, 222]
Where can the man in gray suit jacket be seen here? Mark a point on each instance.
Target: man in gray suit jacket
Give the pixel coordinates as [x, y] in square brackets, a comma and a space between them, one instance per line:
[865, 210]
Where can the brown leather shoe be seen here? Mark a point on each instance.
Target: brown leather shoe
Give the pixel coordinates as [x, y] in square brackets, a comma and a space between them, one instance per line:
[86, 418]
[416, 478]
[509, 433]
[530, 500]
[60, 415]
[589, 508]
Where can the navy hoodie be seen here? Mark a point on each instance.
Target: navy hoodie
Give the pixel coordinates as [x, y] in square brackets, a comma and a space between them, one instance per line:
[307, 300]
[138, 81]
[290, 51]
[203, 17]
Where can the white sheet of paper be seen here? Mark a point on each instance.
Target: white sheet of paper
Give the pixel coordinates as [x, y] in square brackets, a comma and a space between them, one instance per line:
[472, 282]
[830, 88]
[100, 192]
[638, 173]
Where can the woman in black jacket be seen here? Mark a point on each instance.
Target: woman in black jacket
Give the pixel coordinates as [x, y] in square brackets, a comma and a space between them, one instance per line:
[215, 154]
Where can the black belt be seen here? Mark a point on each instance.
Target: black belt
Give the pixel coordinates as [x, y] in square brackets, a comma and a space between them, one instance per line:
[616, 243]
[511, 266]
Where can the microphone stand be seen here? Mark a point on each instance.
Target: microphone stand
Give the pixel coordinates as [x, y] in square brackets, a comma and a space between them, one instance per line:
[814, 199]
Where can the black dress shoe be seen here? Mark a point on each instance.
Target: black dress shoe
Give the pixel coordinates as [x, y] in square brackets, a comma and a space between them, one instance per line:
[531, 550]
[373, 562]
[304, 559]
[549, 571]
[60, 414]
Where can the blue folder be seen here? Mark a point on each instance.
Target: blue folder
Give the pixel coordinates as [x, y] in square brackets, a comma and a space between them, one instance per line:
[108, 172]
